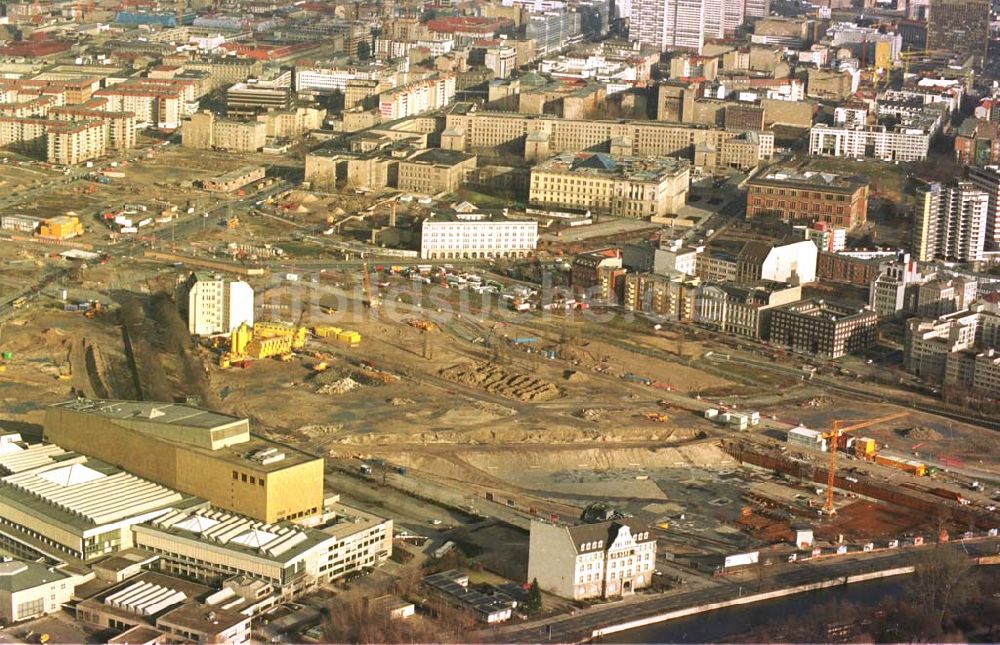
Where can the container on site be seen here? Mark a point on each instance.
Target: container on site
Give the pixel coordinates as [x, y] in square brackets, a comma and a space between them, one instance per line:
[864, 447]
[7, 355]
[906, 465]
[326, 331]
[351, 338]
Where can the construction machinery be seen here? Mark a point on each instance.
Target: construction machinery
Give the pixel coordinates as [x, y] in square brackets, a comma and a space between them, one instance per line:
[371, 301]
[263, 340]
[833, 439]
[421, 324]
[657, 416]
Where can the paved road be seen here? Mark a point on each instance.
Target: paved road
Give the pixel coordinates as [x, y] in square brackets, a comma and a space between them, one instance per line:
[578, 627]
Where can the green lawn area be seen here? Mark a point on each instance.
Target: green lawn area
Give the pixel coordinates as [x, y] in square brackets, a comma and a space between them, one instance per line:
[484, 200]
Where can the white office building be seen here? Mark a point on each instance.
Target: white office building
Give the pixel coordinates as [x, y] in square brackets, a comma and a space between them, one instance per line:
[669, 24]
[476, 235]
[898, 144]
[215, 305]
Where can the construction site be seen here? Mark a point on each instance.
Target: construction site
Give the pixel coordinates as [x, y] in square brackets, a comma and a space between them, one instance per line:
[435, 403]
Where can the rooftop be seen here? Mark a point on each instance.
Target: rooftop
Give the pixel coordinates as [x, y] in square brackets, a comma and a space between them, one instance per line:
[278, 542]
[820, 180]
[18, 575]
[201, 619]
[161, 413]
[643, 169]
[440, 157]
[86, 493]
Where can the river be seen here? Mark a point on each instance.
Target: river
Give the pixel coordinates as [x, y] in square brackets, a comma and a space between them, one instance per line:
[732, 622]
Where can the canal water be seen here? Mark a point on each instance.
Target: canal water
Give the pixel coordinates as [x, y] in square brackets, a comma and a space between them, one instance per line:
[730, 623]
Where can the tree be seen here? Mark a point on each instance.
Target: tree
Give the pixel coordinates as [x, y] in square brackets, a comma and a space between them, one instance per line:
[942, 583]
[534, 602]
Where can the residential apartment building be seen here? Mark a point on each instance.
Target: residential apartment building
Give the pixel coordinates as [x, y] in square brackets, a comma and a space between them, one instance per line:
[211, 545]
[670, 24]
[210, 455]
[670, 296]
[950, 221]
[822, 329]
[977, 142]
[541, 137]
[807, 197]
[417, 97]
[122, 127]
[62, 142]
[987, 179]
[602, 560]
[214, 305]
[434, 171]
[618, 186]
[936, 347]
[876, 142]
[476, 235]
[959, 26]
[205, 131]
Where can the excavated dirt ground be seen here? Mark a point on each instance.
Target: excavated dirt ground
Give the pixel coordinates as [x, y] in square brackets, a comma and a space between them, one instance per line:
[506, 383]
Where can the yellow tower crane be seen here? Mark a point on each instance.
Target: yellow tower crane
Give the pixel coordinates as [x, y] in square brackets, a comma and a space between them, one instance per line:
[832, 437]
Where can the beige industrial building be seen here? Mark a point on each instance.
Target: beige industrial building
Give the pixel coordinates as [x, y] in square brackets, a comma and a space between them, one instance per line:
[742, 309]
[210, 455]
[32, 589]
[602, 560]
[204, 131]
[540, 137]
[234, 179]
[618, 186]
[210, 545]
[434, 171]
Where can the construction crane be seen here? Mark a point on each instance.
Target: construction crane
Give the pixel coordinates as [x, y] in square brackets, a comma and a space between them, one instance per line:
[909, 56]
[371, 301]
[833, 438]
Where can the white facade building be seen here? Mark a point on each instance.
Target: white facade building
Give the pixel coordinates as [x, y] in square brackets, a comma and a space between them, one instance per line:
[793, 263]
[668, 24]
[477, 235]
[417, 97]
[210, 545]
[32, 589]
[591, 560]
[899, 144]
[216, 305]
[987, 179]
[950, 222]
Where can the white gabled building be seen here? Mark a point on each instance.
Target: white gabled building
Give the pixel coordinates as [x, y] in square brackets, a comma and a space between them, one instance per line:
[600, 560]
[214, 305]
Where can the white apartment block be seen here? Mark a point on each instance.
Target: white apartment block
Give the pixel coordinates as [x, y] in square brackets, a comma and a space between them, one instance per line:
[669, 24]
[151, 109]
[723, 17]
[950, 222]
[601, 560]
[850, 117]
[952, 348]
[418, 97]
[215, 305]
[477, 235]
[899, 144]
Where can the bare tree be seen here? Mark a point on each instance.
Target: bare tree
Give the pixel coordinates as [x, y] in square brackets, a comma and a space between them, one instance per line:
[942, 582]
